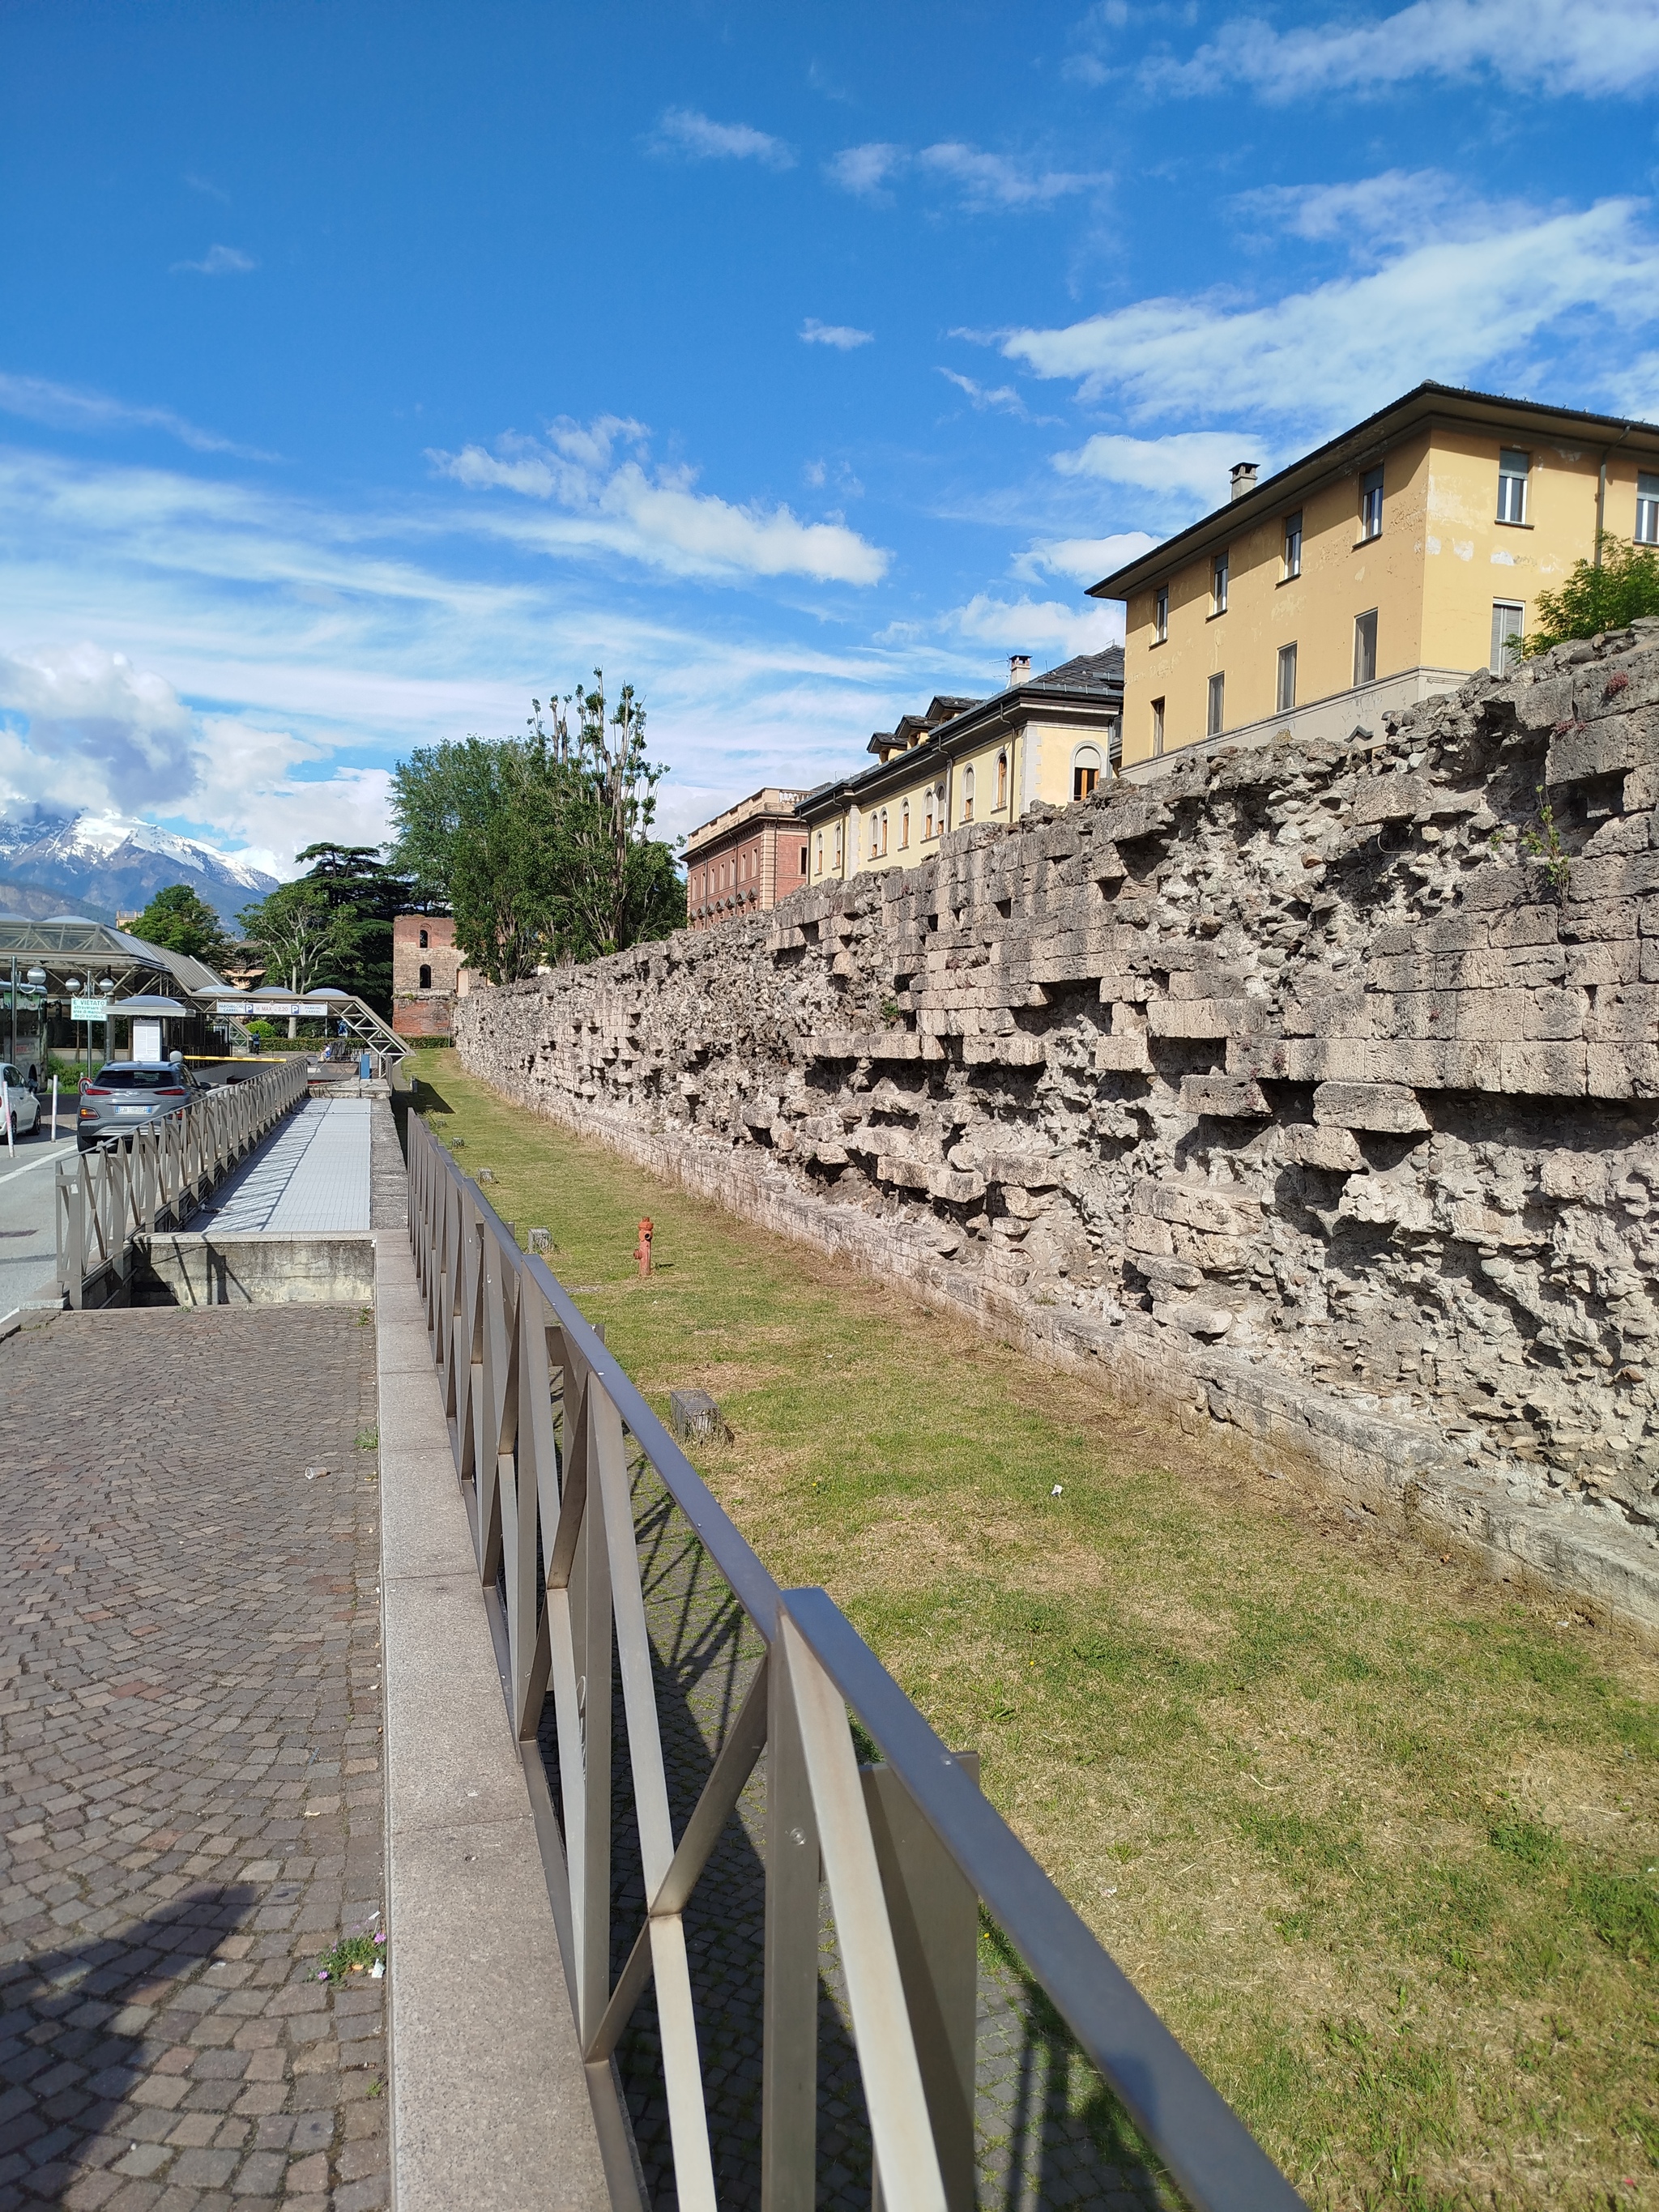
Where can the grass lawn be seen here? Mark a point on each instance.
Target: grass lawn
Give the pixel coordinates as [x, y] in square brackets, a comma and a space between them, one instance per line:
[1377, 1837]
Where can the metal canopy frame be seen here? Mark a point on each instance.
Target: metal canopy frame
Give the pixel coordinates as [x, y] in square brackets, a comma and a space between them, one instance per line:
[540, 1413]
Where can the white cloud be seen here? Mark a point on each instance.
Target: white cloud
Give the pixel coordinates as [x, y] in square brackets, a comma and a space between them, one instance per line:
[654, 516]
[986, 181]
[1450, 309]
[1001, 399]
[1188, 464]
[1039, 626]
[206, 186]
[1398, 208]
[841, 336]
[94, 724]
[1600, 48]
[982, 182]
[865, 170]
[686, 132]
[69, 407]
[1081, 559]
[218, 261]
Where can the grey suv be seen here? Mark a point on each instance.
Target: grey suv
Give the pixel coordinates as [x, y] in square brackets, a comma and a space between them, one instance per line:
[123, 1096]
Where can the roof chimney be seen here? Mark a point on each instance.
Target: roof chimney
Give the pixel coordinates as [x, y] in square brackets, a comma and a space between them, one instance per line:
[1244, 477]
[1019, 669]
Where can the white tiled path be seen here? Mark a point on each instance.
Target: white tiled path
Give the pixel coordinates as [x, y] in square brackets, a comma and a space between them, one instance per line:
[311, 1177]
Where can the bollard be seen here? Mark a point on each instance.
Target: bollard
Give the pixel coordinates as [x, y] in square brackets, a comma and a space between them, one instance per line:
[642, 1249]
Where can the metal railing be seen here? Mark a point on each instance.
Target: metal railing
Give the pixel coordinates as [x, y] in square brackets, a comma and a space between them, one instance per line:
[909, 1848]
[130, 1187]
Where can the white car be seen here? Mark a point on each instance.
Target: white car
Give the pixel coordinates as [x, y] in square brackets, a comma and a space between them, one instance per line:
[25, 1106]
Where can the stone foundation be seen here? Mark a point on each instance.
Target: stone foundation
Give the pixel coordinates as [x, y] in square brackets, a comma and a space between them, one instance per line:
[1314, 1090]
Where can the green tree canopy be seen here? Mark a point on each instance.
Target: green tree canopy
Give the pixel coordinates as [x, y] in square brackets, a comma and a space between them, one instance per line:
[179, 920]
[541, 845]
[1619, 590]
[331, 928]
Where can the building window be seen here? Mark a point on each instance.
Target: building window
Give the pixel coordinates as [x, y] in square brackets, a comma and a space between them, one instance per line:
[904, 826]
[838, 847]
[1508, 623]
[884, 833]
[803, 859]
[1218, 708]
[1371, 504]
[1219, 585]
[1085, 771]
[1160, 614]
[966, 794]
[1293, 546]
[818, 840]
[425, 940]
[1158, 727]
[927, 818]
[1647, 510]
[1287, 678]
[425, 973]
[1513, 470]
[1002, 779]
[1364, 648]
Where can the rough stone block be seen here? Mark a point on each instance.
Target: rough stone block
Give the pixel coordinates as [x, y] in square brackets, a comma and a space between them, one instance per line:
[1387, 1108]
[695, 1418]
[1335, 1148]
[1195, 1018]
[1228, 1098]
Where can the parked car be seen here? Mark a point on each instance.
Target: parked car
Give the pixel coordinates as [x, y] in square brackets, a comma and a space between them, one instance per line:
[25, 1106]
[121, 1097]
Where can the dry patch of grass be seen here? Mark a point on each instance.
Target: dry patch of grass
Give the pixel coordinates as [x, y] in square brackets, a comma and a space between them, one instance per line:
[1377, 1836]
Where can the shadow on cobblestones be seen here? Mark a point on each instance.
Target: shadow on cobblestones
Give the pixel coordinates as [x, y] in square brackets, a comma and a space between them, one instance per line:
[1049, 2133]
[73, 2046]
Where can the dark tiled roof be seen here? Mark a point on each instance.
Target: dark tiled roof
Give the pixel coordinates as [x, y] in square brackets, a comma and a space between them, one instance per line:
[1089, 671]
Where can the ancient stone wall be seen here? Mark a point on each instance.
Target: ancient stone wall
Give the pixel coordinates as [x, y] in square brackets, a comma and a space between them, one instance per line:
[1315, 1089]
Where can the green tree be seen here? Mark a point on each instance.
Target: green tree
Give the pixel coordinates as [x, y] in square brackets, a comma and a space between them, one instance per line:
[179, 920]
[541, 844]
[293, 927]
[331, 928]
[1619, 590]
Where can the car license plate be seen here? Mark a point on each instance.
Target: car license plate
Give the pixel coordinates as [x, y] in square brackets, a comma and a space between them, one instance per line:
[132, 1109]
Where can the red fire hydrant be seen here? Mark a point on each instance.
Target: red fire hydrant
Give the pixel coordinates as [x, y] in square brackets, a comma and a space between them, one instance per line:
[642, 1249]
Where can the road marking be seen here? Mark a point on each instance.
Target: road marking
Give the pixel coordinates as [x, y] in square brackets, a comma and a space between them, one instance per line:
[45, 1160]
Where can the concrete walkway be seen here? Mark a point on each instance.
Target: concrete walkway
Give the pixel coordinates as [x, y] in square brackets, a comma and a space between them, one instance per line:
[311, 1178]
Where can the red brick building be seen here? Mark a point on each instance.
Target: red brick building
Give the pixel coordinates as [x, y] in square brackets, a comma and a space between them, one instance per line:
[745, 859]
[427, 974]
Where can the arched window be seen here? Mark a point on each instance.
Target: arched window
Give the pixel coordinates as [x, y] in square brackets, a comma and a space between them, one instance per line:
[820, 846]
[1085, 771]
[425, 973]
[966, 794]
[425, 940]
[838, 847]
[1002, 779]
[904, 825]
[875, 837]
[927, 818]
[884, 833]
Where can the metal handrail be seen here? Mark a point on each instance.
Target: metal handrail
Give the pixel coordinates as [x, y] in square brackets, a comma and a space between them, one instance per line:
[130, 1187]
[538, 1407]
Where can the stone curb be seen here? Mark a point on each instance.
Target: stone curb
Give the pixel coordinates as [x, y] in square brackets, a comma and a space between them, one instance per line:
[490, 2107]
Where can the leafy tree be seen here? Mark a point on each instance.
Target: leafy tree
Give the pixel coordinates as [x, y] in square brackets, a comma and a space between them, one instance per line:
[1624, 588]
[294, 928]
[179, 920]
[541, 844]
[331, 928]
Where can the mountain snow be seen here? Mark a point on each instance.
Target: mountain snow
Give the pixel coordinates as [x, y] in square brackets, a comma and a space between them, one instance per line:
[121, 863]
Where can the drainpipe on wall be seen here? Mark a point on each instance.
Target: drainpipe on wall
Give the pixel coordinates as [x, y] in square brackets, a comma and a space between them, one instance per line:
[1602, 488]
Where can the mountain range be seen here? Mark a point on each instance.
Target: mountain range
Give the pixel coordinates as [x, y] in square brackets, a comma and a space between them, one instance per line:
[100, 865]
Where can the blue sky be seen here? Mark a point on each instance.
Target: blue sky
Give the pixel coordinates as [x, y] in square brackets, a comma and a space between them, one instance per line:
[366, 369]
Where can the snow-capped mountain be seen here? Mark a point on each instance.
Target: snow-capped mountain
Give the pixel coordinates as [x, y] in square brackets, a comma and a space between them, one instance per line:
[105, 860]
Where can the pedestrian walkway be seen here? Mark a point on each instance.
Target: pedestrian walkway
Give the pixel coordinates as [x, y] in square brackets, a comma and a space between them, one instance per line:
[311, 1178]
[190, 1771]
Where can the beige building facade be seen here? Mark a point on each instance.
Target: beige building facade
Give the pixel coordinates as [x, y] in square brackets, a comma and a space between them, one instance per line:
[1052, 738]
[1385, 566]
[746, 859]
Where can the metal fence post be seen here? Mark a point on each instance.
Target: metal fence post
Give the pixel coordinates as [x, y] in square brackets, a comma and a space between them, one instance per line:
[789, 2077]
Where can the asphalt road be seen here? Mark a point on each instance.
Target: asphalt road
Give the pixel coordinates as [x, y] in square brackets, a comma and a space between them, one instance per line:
[28, 1250]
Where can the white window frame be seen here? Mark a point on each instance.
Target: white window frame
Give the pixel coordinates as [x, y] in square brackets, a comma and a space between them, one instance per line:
[1291, 548]
[1513, 504]
[1370, 505]
[1161, 615]
[1286, 664]
[1158, 728]
[1647, 509]
[1220, 576]
[1507, 635]
[1361, 636]
[1215, 709]
[1087, 758]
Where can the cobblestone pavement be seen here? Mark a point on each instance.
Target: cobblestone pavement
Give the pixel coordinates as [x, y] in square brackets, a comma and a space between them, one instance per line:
[191, 1806]
[1050, 2134]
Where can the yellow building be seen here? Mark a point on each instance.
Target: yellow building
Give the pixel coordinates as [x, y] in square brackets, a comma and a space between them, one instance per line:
[1387, 566]
[1051, 738]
